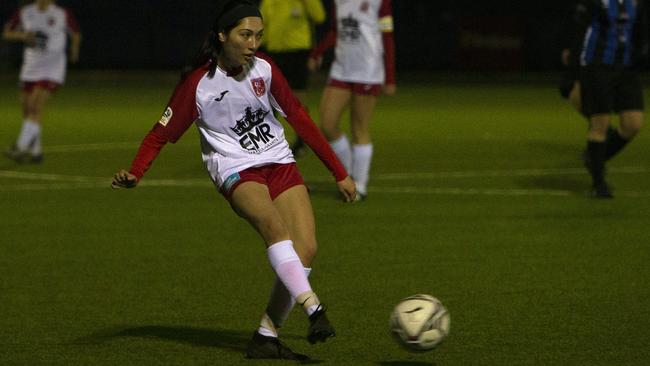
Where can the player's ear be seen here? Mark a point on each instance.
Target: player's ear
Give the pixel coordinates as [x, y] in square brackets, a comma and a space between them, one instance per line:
[221, 36]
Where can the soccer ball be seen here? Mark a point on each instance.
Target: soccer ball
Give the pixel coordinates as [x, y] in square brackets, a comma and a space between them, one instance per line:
[419, 322]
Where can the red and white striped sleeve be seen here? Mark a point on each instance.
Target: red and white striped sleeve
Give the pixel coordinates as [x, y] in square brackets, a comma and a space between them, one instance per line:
[179, 115]
[300, 121]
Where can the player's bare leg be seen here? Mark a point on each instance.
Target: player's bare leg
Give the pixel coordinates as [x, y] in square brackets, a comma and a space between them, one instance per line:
[295, 207]
[252, 201]
[631, 124]
[333, 103]
[362, 150]
[574, 97]
[28, 145]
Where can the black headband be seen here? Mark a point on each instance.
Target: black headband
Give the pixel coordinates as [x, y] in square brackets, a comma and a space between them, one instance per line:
[234, 15]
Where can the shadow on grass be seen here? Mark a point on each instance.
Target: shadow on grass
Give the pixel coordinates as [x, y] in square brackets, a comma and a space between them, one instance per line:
[573, 185]
[406, 363]
[202, 337]
[231, 340]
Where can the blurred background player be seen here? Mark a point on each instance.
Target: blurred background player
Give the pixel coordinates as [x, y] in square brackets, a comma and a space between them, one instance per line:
[43, 27]
[364, 65]
[609, 36]
[230, 94]
[288, 38]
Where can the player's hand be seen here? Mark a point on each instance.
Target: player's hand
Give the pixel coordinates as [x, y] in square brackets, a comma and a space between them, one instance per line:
[74, 55]
[313, 64]
[566, 53]
[389, 89]
[29, 39]
[124, 179]
[348, 189]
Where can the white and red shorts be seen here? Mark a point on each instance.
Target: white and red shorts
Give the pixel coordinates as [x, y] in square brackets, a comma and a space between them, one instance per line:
[357, 88]
[277, 177]
[28, 86]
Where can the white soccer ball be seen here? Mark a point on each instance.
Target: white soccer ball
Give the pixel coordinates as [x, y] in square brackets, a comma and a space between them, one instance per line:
[419, 322]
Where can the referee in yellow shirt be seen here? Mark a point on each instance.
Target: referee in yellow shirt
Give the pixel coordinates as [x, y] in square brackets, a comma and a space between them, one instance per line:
[288, 38]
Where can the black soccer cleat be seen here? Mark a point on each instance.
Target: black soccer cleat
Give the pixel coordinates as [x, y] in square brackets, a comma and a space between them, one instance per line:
[263, 347]
[601, 190]
[19, 156]
[319, 326]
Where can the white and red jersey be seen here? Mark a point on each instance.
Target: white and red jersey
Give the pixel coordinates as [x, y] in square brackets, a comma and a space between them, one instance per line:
[46, 60]
[234, 116]
[362, 32]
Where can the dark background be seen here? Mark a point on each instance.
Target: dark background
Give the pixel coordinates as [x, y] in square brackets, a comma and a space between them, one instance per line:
[430, 34]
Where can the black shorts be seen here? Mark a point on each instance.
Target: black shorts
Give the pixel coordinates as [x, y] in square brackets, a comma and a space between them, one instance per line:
[294, 67]
[609, 89]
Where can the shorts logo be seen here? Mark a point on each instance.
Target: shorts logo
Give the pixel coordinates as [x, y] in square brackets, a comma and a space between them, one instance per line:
[229, 182]
[164, 120]
[258, 86]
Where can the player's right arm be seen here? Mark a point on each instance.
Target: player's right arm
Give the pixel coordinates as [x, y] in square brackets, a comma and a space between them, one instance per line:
[329, 41]
[13, 32]
[179, 115]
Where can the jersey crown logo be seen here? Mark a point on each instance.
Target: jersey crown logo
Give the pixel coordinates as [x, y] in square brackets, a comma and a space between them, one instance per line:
[249, 120]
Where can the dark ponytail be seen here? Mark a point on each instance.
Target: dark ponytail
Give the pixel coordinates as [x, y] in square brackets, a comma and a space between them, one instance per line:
[209, 51]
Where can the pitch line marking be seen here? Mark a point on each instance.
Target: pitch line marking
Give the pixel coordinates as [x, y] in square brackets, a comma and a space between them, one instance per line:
[92, 147]
[60, 181]
[450, 191]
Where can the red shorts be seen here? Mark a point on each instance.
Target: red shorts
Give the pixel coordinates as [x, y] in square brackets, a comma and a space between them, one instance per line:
[28, 86]
[277, 177]
[366, 89]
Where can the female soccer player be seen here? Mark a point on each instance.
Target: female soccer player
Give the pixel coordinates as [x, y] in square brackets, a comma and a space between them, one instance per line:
[364, 64]
[229, 96]
[43, 27]
[609, 36]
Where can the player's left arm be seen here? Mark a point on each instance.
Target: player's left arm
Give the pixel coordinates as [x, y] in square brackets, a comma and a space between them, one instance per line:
[74, 31]
[298, 118]
[386, 29]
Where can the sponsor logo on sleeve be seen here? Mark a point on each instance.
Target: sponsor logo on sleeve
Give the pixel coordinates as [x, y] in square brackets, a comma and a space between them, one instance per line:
[167, 115]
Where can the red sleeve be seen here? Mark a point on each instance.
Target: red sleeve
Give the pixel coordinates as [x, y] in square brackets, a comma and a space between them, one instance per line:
[329, 40]
[385, 10]
[149, 150]
[14, 21]
[389, 44]
[181, 109]
[300, 121]
[71, 22]
[181, 112]
[389, 57]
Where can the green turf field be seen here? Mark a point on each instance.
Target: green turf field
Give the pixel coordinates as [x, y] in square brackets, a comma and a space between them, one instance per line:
[477, 197]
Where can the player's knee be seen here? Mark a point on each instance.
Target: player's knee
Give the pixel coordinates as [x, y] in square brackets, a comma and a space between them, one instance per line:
[306, 250]
[273, 231]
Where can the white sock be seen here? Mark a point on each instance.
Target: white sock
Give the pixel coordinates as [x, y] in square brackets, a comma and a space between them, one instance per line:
[277, 311]
[361, 158]
[26, 135]
[341, 147]
[289, 269]
[36, 148]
